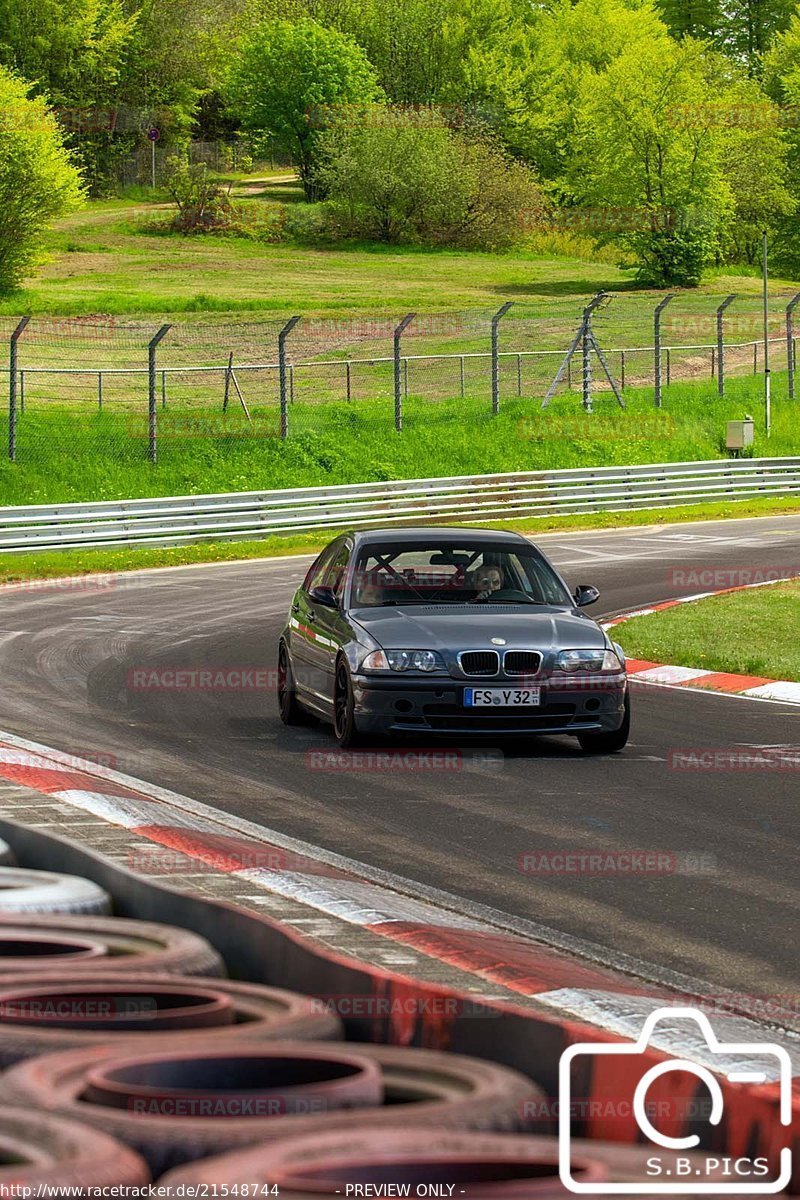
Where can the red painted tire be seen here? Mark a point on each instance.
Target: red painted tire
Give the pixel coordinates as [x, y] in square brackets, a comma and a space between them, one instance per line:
[181, 1105]
[45, 892]
[34, 943]
[47, 1014]
[483, 1166]
[37, 1148]
[434, 1088]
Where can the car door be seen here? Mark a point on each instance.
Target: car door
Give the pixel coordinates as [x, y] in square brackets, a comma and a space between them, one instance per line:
[303, 631]
[330, 624]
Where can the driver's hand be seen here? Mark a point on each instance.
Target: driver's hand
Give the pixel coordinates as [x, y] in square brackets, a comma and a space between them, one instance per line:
[484, 595]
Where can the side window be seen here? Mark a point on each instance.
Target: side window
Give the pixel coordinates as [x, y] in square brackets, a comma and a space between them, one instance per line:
[337, 571]
[317, 571]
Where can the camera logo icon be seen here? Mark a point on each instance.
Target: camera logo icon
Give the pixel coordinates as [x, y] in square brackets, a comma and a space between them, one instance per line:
[669, 1170]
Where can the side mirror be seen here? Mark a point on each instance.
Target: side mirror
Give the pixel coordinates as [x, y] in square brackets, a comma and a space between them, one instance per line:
[324, 596]
[585, 594]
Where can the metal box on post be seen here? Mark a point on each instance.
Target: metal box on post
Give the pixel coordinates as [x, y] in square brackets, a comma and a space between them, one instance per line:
[740, 434]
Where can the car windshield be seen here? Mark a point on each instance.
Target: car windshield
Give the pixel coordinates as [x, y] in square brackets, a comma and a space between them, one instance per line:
[439, 572]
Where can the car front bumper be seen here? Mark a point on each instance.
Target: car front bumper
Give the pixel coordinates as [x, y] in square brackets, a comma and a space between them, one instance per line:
[436, 706]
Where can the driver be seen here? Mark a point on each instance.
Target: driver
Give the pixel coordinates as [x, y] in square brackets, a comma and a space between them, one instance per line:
[487, 580]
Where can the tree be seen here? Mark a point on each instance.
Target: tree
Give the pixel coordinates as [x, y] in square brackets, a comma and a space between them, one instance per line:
[291, 79]
[412, 178]
[692, 18]
[73, 53]
[38, 181]
[631, 150]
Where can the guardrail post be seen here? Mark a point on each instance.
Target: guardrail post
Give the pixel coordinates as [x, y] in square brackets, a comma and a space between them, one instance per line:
[790, 346]
[282, 374]
[721, 343]
[12, 389]
[496, 319]
[151, 373]
[398, 378]
[657, 348]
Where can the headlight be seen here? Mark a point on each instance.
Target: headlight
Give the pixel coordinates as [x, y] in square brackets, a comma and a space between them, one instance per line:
[402, 660]
[587, 660]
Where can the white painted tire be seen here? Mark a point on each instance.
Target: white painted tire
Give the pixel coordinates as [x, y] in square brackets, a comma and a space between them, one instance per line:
[45, 892]
[6, 855]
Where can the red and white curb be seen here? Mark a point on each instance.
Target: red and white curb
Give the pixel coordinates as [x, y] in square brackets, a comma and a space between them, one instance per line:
[757, 687]
[185, 831]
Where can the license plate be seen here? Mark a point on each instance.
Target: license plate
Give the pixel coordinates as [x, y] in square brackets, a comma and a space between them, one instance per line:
[507, 697]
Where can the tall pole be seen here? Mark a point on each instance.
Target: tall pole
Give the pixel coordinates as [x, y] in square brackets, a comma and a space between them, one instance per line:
[12, 389]
[767, 396]
[151, 380]
[790, 363]
[398, 382]
[496, 319]
[282, 374]
[721, 343]
[657, 345]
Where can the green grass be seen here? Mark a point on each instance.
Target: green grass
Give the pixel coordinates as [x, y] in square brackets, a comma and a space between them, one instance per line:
[64, 454]
[68, 563]
[104, 259]
[751, 632]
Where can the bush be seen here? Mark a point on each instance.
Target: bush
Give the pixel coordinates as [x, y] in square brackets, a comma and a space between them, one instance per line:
[410, 177]
[674, 255]
[38, 181]
[203, 204]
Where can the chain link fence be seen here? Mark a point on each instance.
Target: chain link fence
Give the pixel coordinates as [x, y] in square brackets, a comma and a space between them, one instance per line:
[129, 390]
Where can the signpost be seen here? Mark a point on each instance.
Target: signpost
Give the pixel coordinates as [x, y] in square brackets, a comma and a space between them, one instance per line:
[152, 136]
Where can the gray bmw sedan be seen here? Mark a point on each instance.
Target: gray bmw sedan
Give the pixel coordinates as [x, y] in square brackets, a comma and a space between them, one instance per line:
[449, 632]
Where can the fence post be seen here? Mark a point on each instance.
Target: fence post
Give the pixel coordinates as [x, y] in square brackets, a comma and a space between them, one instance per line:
[99, 389]
[12, 389]
[622, 370]
[21, 391]
[461, 373]
[721, 343]
[282, 336]
[496, 319]
[790, 347]
[657, 348]
[398, 380]
[349, 388]
[152, 410]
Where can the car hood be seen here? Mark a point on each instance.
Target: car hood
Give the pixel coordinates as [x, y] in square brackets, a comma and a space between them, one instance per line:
[443, 628]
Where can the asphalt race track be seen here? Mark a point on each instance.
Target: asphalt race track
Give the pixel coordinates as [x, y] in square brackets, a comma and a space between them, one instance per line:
[728, 914]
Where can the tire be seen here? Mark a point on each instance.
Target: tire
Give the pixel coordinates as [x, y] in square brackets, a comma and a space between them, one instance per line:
[6, 855]
[440, 1089]
[608, 743]
[50, 1014]
[38, 1148]
[502, 1165]
[45, 892]
[344, 718]
[289, 709]
[93, 945]
[144, 1099]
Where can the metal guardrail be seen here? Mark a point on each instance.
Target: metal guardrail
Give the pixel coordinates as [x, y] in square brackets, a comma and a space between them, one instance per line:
[177, 520]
